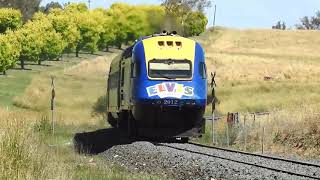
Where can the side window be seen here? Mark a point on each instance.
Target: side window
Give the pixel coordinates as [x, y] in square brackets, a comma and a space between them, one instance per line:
[133, 70]
[203, 70]
[135, 67]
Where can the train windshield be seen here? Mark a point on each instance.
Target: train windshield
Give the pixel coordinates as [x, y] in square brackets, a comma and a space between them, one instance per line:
[170, 69]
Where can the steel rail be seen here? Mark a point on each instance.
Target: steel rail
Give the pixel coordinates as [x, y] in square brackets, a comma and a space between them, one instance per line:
[257, 155]
[241, 162]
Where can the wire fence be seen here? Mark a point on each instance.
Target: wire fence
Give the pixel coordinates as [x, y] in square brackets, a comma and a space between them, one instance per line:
[245, 130]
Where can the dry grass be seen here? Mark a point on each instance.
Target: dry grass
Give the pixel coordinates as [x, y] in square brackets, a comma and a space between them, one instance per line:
[268, 70]
[244, 58]
[290, 131]
[21, 153]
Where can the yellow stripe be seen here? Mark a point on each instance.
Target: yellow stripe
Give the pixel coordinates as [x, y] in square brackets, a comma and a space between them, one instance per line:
[154, 51]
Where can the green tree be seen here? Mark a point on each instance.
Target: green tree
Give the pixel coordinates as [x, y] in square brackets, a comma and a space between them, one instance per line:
[52, 5]
[9, 19]
[88, 26]
[65, 24]
[155, 18]
[27, 7]
[118, 13]
[195, 23]
[52, 42]
[107, 35]
[9, 51]
[179, 11]
[76, 7]
[39, 40]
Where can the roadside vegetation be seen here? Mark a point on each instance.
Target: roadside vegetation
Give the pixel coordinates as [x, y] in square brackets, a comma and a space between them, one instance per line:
[28, 149]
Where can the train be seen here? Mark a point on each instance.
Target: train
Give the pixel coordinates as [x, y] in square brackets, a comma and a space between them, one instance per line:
[158, 88]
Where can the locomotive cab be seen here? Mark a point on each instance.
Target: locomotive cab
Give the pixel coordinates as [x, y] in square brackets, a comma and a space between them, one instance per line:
[161, 89]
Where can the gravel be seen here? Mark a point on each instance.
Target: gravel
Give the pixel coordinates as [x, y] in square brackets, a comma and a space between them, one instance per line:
[177, 164]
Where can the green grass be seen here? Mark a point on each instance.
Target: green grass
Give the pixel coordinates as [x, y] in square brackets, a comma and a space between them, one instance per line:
[16, 81]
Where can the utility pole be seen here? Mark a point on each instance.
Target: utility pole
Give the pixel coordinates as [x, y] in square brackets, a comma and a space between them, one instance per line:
[89, 2]
[214, 16]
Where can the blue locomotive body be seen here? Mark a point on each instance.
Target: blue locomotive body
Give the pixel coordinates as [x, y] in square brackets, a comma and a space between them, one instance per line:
[161, 88]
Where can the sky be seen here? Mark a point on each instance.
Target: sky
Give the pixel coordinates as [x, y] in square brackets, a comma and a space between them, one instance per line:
[240, 14]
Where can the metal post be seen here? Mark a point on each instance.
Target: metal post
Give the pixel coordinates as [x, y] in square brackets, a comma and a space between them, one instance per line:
[53, 94]
[262, 141]
[89, 2]
[228, 141]
[213, 134]
[245, 132]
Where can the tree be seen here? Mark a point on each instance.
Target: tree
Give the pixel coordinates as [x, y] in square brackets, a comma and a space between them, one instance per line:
[180, 7]
[280, 25]
[155, 18]
[310, 23]
[118, 13]
[9, 19]
[53, 44]
[195, 23]
[27, 7]
[52, 5]
[177, 11]
[64, 23]
[9, 51]
[39, 40]
[107, 35]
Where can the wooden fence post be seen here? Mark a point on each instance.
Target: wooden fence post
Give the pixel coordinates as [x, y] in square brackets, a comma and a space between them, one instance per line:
[53, 94]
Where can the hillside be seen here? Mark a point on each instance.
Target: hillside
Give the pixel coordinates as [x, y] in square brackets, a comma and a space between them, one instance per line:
[267, 70]
[259, 70]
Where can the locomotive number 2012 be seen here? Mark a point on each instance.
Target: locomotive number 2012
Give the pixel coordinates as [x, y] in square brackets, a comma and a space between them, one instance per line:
[171, 102]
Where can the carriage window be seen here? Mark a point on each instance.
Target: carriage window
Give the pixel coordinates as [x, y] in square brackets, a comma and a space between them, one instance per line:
[203, 70]
[135, 70]
[170, 69]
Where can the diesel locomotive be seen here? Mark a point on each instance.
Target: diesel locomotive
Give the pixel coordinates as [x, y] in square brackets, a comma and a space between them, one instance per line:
[158, 88]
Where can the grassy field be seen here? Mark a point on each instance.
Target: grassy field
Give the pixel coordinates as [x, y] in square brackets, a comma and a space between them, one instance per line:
[27, 148]
[243, 59]
[268, 70]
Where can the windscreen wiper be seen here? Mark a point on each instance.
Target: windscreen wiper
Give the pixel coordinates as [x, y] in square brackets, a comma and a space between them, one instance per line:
[163, 76]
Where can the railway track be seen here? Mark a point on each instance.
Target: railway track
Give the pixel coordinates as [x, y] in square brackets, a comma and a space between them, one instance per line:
[298, 169]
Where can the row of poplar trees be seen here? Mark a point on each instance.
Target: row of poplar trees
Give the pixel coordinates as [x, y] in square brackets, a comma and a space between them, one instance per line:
[75, 28]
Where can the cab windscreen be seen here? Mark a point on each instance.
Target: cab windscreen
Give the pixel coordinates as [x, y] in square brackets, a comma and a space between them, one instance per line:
[170, 69]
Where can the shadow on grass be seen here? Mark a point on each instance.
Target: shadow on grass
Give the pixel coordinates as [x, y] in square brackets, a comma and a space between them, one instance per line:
[99, 141]
[20, 69]
[33, 64]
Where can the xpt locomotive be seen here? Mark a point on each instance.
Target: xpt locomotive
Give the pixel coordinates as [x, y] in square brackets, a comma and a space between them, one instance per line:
[158, 88]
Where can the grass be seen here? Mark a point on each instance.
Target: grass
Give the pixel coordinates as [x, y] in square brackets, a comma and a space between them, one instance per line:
[27, 147]
[243, 58]
[17, 80]
[266, 70]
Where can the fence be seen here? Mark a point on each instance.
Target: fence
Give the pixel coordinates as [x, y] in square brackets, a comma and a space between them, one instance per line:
[248, 129]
